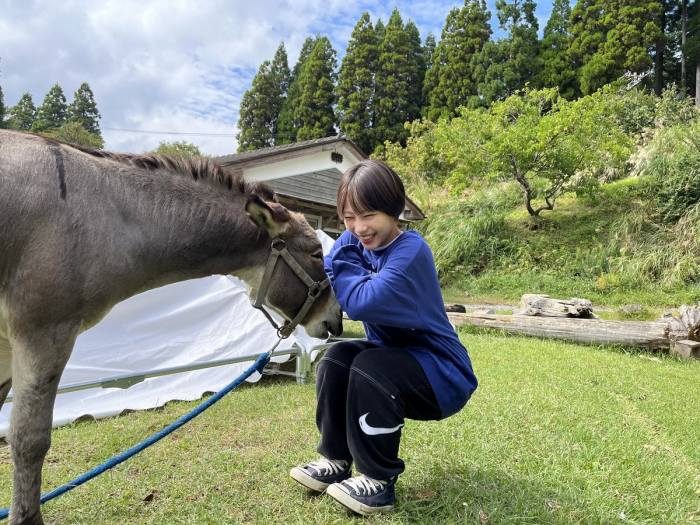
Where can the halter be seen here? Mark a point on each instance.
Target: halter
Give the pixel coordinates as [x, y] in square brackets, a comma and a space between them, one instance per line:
[278, 248]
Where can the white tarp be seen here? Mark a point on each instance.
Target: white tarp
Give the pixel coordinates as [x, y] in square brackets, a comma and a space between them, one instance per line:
[194, 321]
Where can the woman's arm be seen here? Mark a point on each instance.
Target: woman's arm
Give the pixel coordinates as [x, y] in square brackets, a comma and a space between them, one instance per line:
[387, 297]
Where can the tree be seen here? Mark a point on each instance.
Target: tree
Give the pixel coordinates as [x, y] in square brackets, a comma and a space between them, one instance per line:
[53, 110]
[177, 149]
[453, 75]
[398, 73]
[545, 143]
[74, 133]
[262, 103]
[555, 65]
[287, 126]
[691, 47]
[314, 111]
[417, 61]
[83, 109]
[511, 62]
[355, 90]
[611, 38]
[2, 109]
[22, 115]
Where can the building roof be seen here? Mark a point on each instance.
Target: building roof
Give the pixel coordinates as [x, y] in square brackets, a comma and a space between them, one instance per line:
[304, 170]
[246, 156]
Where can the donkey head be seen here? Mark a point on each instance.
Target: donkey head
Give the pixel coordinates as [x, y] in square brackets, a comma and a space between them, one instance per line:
[290, 283]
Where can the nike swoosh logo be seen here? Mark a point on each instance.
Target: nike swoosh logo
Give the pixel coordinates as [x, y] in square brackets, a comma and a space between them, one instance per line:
[375, 431]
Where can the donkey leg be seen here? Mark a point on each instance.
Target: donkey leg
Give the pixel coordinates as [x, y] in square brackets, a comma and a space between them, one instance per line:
[37, 363]
[4, 390]
[5, 369]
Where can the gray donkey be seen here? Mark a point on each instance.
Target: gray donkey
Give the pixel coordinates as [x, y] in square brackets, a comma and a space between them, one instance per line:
[81, 230]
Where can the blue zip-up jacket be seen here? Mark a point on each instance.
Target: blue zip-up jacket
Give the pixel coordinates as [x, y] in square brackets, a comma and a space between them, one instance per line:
[395, 292]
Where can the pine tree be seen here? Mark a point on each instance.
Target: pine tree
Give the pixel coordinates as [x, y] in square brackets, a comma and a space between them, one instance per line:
[22, 115]
[254, 115]
[53, 110]
[83, 110]
[452, 75]
[380, 29]
[418, 65]
[613, 37]
[2, 109]
[262, 103]
[279, 69]
[287, 126]
[355, 90]
[555, 65]
[513, 60]
[397, 98]
[314, 111]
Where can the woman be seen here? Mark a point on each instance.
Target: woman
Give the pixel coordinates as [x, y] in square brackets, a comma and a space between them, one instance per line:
[412, 364]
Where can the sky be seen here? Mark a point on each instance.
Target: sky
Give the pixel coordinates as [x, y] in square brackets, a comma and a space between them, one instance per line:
[176, 66]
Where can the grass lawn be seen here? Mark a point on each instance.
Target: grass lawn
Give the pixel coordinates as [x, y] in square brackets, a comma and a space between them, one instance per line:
[556, 433]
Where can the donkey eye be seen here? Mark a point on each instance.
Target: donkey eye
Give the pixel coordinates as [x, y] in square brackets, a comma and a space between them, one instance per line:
[318, 254]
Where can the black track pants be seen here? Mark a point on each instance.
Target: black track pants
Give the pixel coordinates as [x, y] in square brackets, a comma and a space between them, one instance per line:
[364, 393]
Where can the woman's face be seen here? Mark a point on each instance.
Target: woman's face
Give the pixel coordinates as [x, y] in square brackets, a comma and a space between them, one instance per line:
[374, 228]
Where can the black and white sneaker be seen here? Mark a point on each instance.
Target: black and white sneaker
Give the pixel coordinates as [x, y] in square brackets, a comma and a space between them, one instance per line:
[318, 474]
[364, 495]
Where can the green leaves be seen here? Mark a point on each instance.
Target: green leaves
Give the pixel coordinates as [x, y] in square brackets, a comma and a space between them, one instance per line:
[22, 116]
[53, 110]
[454, 72]
[314, 113]
[612, 37]
[262, 103]
[356, 84]
[83, 110]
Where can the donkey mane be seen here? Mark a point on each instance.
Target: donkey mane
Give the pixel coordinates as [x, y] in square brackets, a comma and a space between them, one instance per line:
[199, 168]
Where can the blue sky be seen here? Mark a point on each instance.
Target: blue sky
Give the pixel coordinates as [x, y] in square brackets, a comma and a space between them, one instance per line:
[176, 65]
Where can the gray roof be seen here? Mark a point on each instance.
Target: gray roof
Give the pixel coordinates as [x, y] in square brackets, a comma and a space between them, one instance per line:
[236, 158]
[316, 186]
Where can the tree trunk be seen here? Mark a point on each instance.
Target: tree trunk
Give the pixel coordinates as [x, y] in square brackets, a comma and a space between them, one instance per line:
[659, 56]
[697, 84]
[684, 31]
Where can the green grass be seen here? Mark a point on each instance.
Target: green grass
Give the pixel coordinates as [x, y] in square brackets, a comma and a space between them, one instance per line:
[556, 433]
[583, 248]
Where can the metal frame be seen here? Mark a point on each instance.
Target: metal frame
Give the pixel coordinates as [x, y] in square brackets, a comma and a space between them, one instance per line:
[302, 369]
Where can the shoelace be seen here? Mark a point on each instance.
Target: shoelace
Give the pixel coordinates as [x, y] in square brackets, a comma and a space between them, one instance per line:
[326, 467]
[363, 484]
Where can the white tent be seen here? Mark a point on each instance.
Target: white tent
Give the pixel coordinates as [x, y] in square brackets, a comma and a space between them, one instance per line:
[186, 324]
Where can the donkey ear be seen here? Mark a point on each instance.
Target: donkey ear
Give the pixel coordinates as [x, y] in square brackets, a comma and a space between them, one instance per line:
[269, 215]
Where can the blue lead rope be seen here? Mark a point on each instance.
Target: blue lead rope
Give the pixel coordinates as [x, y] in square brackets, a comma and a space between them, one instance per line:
[258, 366]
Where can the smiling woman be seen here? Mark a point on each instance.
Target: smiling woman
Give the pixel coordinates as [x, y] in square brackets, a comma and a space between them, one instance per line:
[412, 365]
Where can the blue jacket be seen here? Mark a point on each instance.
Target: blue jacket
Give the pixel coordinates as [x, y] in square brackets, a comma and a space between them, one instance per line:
[396, 294]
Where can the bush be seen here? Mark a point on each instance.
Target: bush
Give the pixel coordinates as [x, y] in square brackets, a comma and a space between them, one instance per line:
[673, 162]
[468, 235]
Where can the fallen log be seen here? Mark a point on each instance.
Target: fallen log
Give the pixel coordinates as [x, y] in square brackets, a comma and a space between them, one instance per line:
[651, 335]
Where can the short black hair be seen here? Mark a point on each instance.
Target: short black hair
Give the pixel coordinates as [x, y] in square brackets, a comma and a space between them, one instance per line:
[371, 185]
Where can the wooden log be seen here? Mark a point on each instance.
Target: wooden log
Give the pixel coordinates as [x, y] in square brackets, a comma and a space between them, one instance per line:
[545, 306]
[686, 349]
[653, 335]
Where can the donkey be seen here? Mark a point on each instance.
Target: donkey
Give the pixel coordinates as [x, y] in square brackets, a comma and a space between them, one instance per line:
[85, 229]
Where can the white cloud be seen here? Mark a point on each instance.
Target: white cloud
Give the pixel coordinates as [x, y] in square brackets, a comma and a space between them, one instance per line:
[157, 65]
[171, 65]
